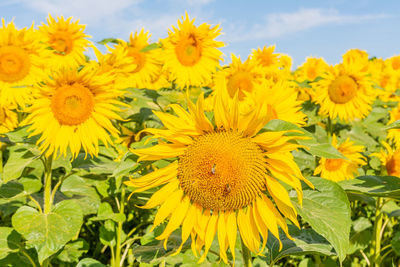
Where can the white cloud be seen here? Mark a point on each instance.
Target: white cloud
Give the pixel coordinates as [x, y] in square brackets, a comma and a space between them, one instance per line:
[280, 24]
[90, 11]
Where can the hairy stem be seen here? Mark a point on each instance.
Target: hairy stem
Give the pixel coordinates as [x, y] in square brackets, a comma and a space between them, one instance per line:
[119, 231]
[47, 184]
[376, 250]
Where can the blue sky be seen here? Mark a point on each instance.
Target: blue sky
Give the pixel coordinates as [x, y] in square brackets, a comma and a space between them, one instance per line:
[298, 28]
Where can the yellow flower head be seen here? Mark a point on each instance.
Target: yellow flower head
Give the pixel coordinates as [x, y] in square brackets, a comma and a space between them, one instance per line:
[21, 60]
[73, 110]
[390, 159]
[266, 57]
[224, 177]
[341, 169]
[345, 91]
[190, 53]
[145, 65]
[238, 78]
[311, 69]
[67, 41]
[8, 120]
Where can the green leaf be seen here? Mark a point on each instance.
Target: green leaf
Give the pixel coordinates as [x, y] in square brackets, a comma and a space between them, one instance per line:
[306, 241]
[150, 47]
[20, 157]
[381, 186]
[48, 232]
[311, 144]
[394, 125]
[105, 212]
[327, 210]
[22, 187]
[108, 40]
[108, 233]
[9, 241]
[396, 243]
[87, 196]
[88, 262]
[73, 251]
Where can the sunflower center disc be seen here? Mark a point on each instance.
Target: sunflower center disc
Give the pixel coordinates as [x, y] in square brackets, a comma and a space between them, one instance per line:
[222, 171]
[393, 165]
[14, 64]
[333, 164]
[61, 42]
[188, 51]
[72, 104]
[342, 89]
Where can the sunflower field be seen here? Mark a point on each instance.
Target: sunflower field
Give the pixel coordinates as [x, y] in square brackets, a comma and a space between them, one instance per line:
[163, 154]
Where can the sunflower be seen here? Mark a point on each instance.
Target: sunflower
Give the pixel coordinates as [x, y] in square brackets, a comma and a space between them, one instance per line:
[394, 134]
[67, 40]
[190, 53]
[8, 119]
[390, 159]
[241, 78]
[345, 91]
[21, 60]
[266, 57]
[146, 65]
[341, 169]
[223, 176]
[73, 110]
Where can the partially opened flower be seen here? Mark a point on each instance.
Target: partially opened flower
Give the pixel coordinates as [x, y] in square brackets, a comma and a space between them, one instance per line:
[67, 41]
[22, 57]
[74, 110]
[191, 53]
[342, 168]
[225, 175]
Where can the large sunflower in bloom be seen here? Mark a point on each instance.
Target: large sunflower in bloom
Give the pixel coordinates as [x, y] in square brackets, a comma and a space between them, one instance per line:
[345, 91]
[67, 41]
[341, 169]
[146, 65]
[225, 176]
[190, 53]
[21, 60]
[73, 110]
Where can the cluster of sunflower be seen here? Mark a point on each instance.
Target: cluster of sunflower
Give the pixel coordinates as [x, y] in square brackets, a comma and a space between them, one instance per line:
[226, 169]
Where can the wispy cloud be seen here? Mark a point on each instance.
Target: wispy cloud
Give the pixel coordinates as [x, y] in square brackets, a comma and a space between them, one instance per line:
[281, 24]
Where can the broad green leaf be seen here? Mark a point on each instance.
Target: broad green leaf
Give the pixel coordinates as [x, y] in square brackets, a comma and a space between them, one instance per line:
[78, 188]
[361, 224]
[22, 187]
[19, 259]
[73, 251]
[382, 186]
[311, 144]
[48, 232]
[19, 135]
[20, 157]
[327, 210]
[150, 47]
[105, 212]
[360, 240]
[306, 241]
[9, 241]
[88, 262]
[108, 233]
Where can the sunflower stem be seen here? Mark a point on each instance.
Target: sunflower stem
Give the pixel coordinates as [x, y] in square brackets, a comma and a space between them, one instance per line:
[329, 127]
[376, 243]
[47, 184]
[247, 261]
[1, 157]
[119, 231]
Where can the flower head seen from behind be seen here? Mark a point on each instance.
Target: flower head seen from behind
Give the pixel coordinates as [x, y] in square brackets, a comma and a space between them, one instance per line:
[340, 169]
[22, 57]
[67, 40]
[190, 53]
[74, 110]
[225, 176]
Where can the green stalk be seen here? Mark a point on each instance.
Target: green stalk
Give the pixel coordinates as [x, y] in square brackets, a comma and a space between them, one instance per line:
[329, 127]
[1, 158]
[119, 231]
[47, 184]
[247, 261]
[376, 249]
